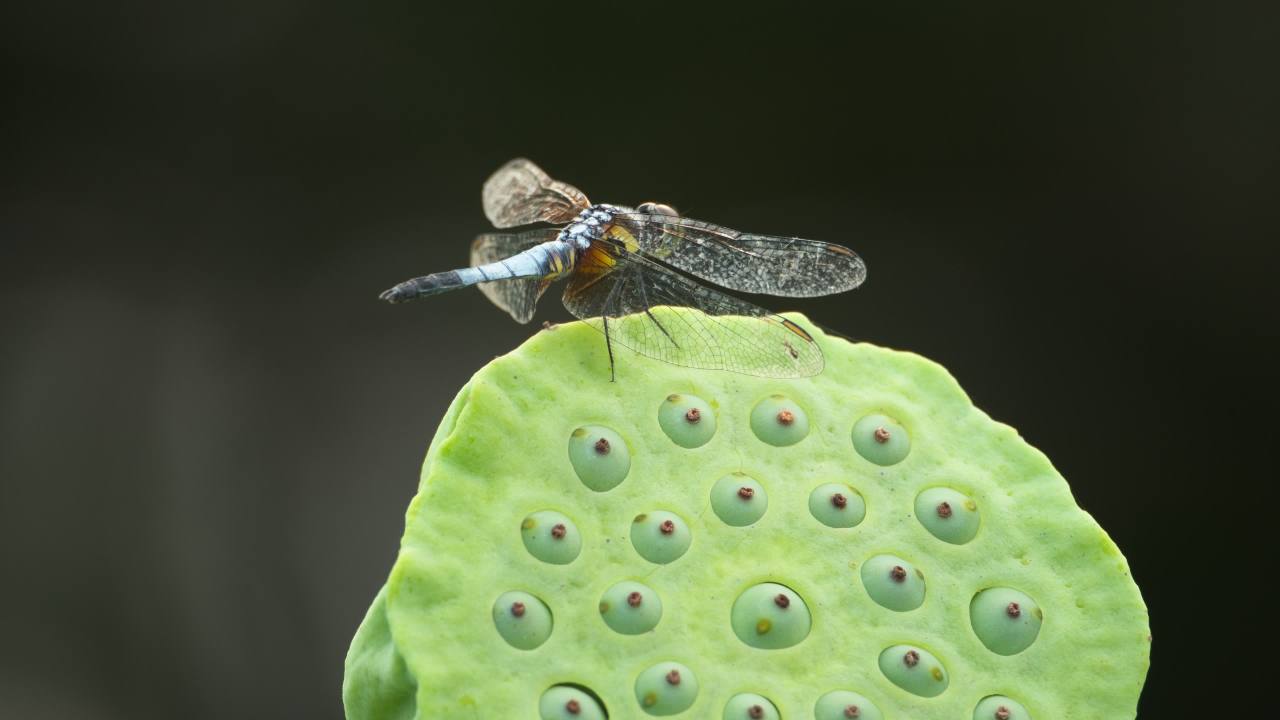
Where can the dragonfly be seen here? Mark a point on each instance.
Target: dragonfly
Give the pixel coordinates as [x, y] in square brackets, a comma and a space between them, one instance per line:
[634, 274]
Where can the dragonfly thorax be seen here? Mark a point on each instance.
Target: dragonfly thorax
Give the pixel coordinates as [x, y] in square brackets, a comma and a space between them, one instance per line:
[589, 226]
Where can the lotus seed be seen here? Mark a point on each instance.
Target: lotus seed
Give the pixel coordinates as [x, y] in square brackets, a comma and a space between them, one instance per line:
[660, 536]
[999, 707]
[893, 582]
[551, 537]
[881, 439]
[688, 420]
[914, 669]
[566, 702]
[779, 421]
[666, 689]
[599, 457]
[751, 707]
[630, 608]
[836, 505]
[522, 620]
[845, 705]
[770, 616]
[738, 500]
[1007, 621]
[949, 515]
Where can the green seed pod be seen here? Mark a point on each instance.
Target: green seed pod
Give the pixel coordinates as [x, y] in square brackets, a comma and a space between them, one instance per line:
[688, 420]
[660, 536]
[427, 649]
[779, 421]
[893, 582]
[749, 706]
[631, 608]
[837, 505]
[599, 456]
[566, 702]
[738, 500]
[1007, 621]
[881, 439]
[551, 537]
[844, 705]
[999, 707]
[914, 669]
[666, 689]
[522, 620]
[770, 616]
[951, 516]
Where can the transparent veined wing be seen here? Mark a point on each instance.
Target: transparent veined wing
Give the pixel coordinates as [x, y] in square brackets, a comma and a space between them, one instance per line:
[520, 193]
[644, 306]
[519, 297]
[747, 262]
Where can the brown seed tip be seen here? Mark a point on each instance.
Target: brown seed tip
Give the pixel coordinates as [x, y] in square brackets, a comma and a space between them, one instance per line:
[667, 527]
[634, 598]
[1014, 610]
[1002, 713]
[755, 711]
[782, 601]
[898, 573]
[572, 707]
[944, 510]
[693, 415]
[602, 446]
[839, 500]
[673, 677]
[881, 435]
[745, 492]
[911, 658]
[786, 417]
[558, 531]
[517, 609]
[852, 711]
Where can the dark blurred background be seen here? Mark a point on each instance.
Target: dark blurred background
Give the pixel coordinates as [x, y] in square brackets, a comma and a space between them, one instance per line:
[211, 429]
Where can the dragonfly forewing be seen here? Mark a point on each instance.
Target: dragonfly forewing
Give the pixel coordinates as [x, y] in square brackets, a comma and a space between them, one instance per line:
[520, 193]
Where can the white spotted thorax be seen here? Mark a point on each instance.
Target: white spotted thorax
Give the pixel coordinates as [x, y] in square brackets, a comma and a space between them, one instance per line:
[589, 226]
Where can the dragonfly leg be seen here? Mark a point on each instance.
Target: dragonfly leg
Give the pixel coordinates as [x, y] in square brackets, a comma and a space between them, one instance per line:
[608, 345]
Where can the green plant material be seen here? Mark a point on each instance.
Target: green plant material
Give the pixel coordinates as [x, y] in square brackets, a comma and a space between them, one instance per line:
[688, 420]
[893, 582]
[1007, 621]
[999, 707]
[770, 616]
[631, 608]
[844, 705]
[951, 516]
[565, 702]
[749, 706]
[430, 648]
[523, 620]
[837, 505]
[666, 689]
[779, 421]
[551, 537]
[738, 499]
[881, 439]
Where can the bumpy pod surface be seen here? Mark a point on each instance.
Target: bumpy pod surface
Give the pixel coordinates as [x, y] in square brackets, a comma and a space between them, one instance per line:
[429, 647]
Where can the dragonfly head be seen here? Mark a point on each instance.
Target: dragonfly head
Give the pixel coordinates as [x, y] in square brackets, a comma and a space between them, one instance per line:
[657, 208]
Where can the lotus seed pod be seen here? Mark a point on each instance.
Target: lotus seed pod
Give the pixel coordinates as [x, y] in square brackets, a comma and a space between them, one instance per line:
[522, 619]
[881, 439]
[660, 536]
[1006, 620]
[551, 537]
[565, 702]
[779, 421]
[836, 505]
[738, 500]
[999, 707]
[893, 582]
[749, 706]
[845, 705]
[770, 616]
[430, 645]
[599, 456]
[631, 608]
[666, 689]
[688, 420]
[951, 516]
[914, 669]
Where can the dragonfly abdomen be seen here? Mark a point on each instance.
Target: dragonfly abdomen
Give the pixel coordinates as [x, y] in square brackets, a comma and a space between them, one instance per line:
[550, 259]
